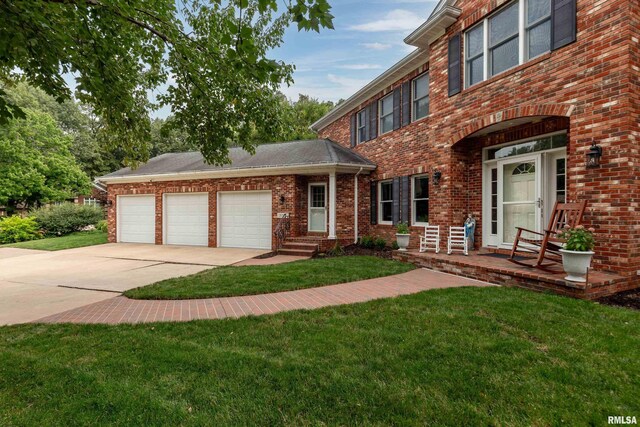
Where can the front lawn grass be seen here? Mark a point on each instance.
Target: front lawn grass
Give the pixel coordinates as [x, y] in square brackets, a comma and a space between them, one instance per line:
[253, 280]
[465, 356]
[70, 241]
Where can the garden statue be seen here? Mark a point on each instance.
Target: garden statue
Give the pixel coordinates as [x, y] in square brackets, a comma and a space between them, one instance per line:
[469, 231]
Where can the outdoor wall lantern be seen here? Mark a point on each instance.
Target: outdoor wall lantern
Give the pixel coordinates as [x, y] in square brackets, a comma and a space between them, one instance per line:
[593, 156]
[436, 177]
[282, 200]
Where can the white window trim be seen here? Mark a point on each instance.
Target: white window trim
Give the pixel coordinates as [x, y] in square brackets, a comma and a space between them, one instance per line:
[380, 116]
[523, 35]
[92, 201]
[413, 200]
[379, 201]
[317, 184]
[358, 127]
[414, 99]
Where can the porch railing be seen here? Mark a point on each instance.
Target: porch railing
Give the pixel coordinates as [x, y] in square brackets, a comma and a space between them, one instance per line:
[283, 228]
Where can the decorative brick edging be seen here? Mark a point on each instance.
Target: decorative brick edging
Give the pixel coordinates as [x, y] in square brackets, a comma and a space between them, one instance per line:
[124, 310]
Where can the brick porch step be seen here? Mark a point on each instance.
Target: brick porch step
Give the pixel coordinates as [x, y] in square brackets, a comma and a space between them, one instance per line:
[298, 249]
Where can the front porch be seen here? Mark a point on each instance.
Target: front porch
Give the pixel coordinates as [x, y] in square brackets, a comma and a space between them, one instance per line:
[494, 267]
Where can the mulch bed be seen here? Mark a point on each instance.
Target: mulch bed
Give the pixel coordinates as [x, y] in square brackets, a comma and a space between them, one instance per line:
[385, 253]
[628, 299]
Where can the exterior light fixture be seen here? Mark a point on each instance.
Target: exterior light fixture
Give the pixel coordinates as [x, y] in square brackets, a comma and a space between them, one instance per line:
[282, 200]
[593, 156]
[436, 177]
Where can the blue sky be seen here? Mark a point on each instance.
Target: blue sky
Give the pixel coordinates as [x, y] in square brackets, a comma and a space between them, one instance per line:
[367, 40]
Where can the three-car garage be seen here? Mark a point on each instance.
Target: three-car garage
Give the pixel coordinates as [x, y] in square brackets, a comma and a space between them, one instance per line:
[242, 219]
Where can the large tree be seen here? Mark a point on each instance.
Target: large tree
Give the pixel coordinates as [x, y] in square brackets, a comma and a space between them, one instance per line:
[36, 163]
[209, 59]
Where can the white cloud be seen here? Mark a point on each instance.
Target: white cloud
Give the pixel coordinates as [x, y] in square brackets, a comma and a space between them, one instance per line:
[376, 46]
[395, 20]
[348, 84]
[360, 67]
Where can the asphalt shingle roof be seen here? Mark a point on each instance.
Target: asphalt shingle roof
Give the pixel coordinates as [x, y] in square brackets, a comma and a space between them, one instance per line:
[295, 153]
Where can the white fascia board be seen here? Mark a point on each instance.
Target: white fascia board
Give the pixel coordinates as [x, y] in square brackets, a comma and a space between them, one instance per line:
[433, 28]
[240, 173]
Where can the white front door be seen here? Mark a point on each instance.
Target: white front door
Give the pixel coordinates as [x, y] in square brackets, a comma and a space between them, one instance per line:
[318, 207]
[519, 196]
[186, 219]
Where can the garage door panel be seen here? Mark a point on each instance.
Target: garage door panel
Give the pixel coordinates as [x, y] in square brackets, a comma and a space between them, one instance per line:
[136, 219]
[245, 219]
[186, 218]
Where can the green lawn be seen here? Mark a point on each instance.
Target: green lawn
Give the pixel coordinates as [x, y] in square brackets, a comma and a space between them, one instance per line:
[73, 240]
[466, 356]
[251, 280]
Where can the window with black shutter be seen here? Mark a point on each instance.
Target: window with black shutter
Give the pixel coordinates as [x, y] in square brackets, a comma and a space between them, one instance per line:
[563, 23]
[454, 69]
[354, 130]
[406, 103]
[396, 108]
[396, 200]
[373, 120]
[361, 126]
[373, 203]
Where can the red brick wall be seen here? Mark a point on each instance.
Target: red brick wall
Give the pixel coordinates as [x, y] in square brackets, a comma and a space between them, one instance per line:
[591, 82]
[293, 188]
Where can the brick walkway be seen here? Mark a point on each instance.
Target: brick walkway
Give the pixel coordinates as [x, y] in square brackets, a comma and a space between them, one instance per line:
[124, 310]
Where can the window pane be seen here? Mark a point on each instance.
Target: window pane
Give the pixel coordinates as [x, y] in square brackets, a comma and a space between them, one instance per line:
[387, 105]
[421, 87]
[474, 41]
[503, 25]
[540, 39]
[386, 124]
[560, 166]
[421, 108]
[421, 188]
[422, 210]
[317, 196]
[386, 212]
[385, 189]
[361, 134]
[537, 9]
[476, 70]
[504, 56]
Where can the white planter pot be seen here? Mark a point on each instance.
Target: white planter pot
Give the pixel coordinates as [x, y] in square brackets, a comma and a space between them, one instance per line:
[576, 264]
[403, 241]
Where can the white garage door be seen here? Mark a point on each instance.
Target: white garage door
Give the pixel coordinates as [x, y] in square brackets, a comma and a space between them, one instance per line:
[136, 222]
[245, 219]
[186, 219]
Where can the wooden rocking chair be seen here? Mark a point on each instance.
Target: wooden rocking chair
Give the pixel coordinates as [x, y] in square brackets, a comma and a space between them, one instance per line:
[547, 244]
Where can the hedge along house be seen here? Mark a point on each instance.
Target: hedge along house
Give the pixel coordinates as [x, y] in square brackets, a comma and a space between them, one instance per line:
[308, 189]
[495, 113]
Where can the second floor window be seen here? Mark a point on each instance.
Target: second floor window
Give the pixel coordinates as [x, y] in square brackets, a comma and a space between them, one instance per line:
[420, 96]
[362, 125]
[386, 114]
[516, 33]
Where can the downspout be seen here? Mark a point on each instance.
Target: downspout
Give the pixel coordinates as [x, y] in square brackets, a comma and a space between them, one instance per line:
[355, 207]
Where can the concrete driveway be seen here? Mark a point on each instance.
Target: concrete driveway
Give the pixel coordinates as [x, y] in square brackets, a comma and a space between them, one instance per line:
[35, 284]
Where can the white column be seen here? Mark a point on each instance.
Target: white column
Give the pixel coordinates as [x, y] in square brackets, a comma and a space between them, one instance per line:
[332, 205]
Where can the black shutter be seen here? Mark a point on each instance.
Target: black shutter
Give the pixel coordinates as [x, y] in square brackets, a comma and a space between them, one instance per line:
[374, 202]
[455, 65]
[396, 108]
[354, 129]
[406, 196]
[366, 121]
[395, 191]
[563, 23]
[406, 103]
[373, 120]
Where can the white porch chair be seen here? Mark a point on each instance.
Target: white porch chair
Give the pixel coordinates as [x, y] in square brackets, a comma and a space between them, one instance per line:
[457, 240]
[431, 238]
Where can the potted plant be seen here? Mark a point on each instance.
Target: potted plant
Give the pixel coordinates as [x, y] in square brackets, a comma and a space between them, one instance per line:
[402, 236]
[577, 252]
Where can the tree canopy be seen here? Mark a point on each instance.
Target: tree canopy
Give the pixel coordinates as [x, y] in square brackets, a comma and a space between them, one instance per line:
[37, 164]
[209, 61]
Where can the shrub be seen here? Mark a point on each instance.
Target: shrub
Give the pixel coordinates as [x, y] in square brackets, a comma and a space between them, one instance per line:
[379, 243]
[578, 238]
[402, 228]
[367, 242]
[66, 218]
[16, 229]
[102, 226]
[395, 245]
[336, 250]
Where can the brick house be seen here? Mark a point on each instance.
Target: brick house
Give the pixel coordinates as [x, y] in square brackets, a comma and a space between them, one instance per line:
[492, 114]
